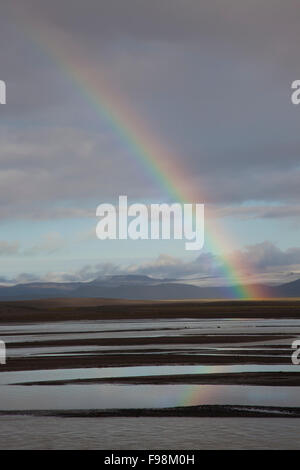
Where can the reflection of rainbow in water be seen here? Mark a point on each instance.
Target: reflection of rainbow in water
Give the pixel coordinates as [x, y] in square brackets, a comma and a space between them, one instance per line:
[195, 394]
[165, 167]
[253, 395]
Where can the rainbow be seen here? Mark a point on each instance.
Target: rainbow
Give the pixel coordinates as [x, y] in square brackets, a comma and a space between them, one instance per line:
[163, 166]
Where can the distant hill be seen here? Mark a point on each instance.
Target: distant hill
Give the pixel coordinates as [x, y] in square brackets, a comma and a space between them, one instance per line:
[133, 287]
[291, 289]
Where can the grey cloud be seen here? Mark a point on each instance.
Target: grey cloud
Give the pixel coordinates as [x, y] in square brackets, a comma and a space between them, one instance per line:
[163, 267]
[61, 165]
[261, 257]
[266, 263]
[25, 277]
[9, 248]
[211, 78]
[265, 256]
[168, 266]
[164, 18]
[50, 243]
[257, 212]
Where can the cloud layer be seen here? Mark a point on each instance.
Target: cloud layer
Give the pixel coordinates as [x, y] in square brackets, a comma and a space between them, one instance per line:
[267, 263]
[212, 79]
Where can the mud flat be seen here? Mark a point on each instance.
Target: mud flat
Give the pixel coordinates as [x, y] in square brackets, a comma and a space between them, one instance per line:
[105, 309]
[204, 411]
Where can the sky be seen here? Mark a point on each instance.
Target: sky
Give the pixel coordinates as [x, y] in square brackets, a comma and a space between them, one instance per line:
[210, 81]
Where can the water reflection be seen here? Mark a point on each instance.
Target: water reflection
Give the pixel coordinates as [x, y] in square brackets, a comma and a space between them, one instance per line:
[94, 373]
[144, 396]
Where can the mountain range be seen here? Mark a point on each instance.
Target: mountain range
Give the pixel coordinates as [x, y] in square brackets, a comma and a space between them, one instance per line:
[134, 287]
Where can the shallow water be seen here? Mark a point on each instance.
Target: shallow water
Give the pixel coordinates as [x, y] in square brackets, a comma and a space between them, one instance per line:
[41, 351]
[126, 328]
[129, 396]
[139, 371]
[143, 396]
[38, 333]
[18, 432]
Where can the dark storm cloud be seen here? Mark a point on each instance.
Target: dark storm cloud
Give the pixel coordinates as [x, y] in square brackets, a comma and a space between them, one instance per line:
[212, 78]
